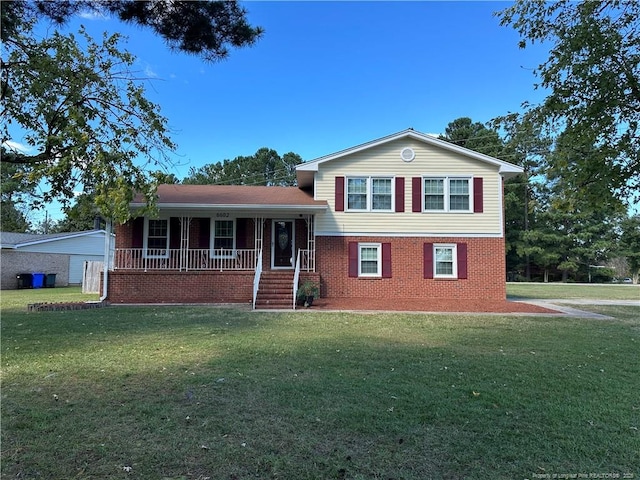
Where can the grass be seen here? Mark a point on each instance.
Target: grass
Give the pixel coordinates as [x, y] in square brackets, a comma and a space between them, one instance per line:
[574, 290]
[198, 392]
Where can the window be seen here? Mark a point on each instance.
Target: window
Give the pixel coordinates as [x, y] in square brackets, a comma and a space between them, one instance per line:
[156, 239]
[369, 260]
[370, 194]
[445, 261]
[381, 194]
[447, 194]
[223, 238]
[357, 194]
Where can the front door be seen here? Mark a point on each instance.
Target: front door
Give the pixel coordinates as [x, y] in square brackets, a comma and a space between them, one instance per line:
[282, 246]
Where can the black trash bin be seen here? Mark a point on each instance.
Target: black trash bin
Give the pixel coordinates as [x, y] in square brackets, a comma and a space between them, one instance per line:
[50, 280]
[25, 280]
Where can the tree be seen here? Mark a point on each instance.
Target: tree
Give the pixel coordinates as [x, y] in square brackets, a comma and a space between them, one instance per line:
[205, 28]
[593, 75]
[527, 145]
[85, 116]
[83, 215]
[475, 136]
[265, 167]
[79, 105]
[630, 245]
[15, 192]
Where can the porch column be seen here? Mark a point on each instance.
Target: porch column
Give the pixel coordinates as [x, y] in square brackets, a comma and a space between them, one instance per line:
[258, 231]
[185, 224]
[311, 242]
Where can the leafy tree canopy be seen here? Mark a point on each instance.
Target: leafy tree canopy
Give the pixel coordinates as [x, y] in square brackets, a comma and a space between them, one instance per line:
[265, 167]
[15, 193]
[84, 116]
[475, 136]
[593, 75]
[80, 107]
[205, 28]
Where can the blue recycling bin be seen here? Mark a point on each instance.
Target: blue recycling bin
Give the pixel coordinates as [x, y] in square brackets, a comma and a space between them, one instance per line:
[38, 279]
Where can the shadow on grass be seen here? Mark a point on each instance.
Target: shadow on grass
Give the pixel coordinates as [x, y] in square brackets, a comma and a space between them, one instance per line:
[198, 393]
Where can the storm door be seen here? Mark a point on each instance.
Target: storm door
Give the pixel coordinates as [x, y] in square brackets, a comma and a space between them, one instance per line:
[282, 246]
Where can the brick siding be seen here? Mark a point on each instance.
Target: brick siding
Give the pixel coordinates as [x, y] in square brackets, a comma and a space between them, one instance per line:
[15, 262]
[180, 287]
[485, 263]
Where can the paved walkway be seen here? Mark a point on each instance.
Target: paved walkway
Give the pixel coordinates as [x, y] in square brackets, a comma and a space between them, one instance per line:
[514, 306]
[563, 305]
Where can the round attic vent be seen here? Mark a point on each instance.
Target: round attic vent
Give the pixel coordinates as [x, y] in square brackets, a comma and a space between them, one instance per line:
[407, 154]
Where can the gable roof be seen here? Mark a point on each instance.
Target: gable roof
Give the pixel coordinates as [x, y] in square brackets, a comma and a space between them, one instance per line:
[16, 240]
[233, 197]
[506, 169]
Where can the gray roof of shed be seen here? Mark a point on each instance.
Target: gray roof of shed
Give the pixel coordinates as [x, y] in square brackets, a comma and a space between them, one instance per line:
[17, 240]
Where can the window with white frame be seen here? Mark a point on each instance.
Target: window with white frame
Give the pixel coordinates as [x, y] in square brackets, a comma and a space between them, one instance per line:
[223, 238]
[369, 260]
[445, 264]
[156, 239]
[370, 194]
[447, 194]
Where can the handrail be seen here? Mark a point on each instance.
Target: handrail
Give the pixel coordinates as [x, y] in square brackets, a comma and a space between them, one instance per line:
[185, 260]
[296, 280]
[256, 279]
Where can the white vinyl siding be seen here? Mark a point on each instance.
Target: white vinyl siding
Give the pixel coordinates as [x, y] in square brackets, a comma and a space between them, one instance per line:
[430, 162]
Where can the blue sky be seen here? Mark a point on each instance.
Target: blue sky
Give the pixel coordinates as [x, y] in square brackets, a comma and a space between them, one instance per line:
[330, 75]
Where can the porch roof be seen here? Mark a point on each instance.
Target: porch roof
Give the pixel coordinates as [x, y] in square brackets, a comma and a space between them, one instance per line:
[234, 197]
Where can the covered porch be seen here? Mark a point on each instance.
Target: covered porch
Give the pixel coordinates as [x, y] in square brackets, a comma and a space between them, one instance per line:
[186, 244]
[212, 243]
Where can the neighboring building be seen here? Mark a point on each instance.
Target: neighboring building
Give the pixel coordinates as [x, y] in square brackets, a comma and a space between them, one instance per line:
[403, 216]
[62, 254]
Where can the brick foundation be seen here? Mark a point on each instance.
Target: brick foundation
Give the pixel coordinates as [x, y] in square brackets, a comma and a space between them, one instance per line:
[485, 263]
[180, 287]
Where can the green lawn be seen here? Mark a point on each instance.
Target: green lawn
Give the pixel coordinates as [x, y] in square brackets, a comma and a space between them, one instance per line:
[573, 290]
[200, 392]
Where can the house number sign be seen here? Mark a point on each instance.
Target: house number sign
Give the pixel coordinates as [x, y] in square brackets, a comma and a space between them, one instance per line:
[222, 215]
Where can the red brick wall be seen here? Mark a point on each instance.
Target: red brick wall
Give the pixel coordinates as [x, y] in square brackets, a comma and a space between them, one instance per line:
[180, 287]
[485, 261]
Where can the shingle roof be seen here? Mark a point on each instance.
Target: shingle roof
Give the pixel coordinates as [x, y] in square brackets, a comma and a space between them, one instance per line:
[232, 195]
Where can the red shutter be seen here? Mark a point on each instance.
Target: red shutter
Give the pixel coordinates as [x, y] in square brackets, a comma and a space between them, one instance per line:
[175, 233]
[416, 194]
[399, 194]
[339, 194]
[241, 233]
[428, 260]
[353, 259]
[462, 260]
[205, 233]
[477, 195]
[386, 260]
[137, 232]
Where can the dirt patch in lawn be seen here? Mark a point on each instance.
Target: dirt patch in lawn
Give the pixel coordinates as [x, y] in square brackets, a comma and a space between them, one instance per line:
[429, 305]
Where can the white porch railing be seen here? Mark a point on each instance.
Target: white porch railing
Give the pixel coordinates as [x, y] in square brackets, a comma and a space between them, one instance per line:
[184, 260]
[256, 279]
[307, 260]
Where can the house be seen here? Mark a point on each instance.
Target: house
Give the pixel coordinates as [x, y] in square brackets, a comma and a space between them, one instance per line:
[62, 254]
[403, 216]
